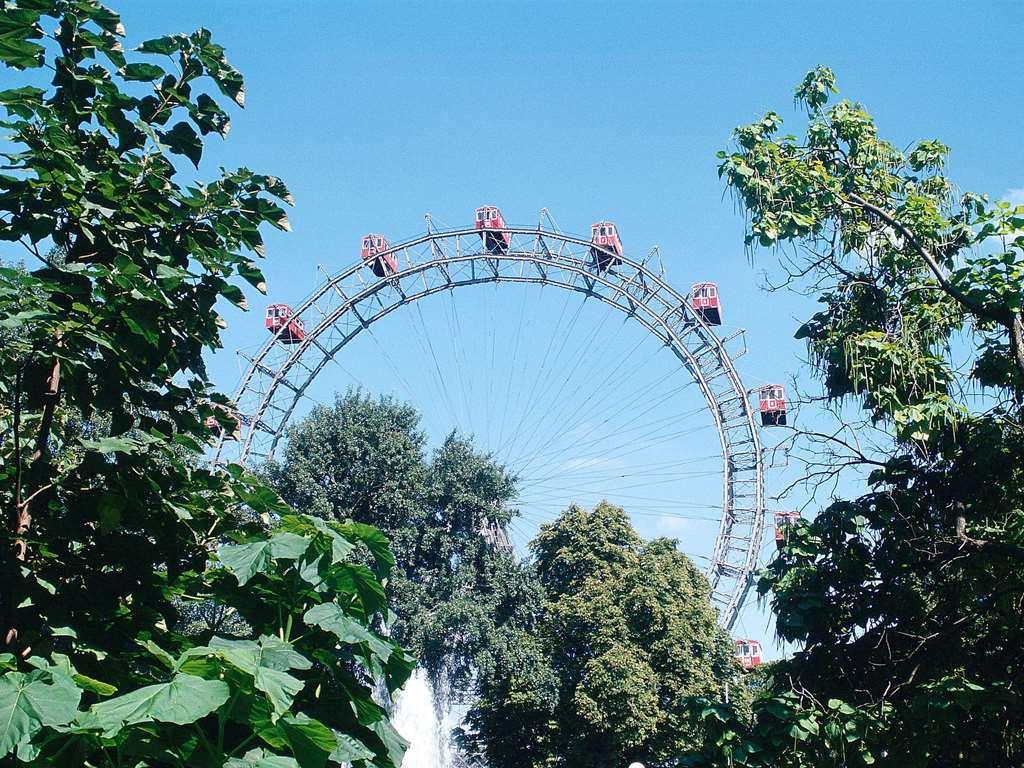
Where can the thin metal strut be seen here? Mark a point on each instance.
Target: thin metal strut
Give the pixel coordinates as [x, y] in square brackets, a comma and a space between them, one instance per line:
[279, 375]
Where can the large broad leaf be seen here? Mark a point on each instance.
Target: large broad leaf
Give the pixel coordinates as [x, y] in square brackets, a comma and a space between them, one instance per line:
[360, 580]
[253, 276]
[164, 45]
[393, 741]
[30, 702]
[311, 741]
[280, 687]
[398, 669]
[121, 444]
[258, 758]
[269, 651]
[374, 540]
[350, 749]
[331, 618]
[20, 54]
[246, 560]
[63, 664]
[314, 572]
[146, 72]
[267, 661]
[260, 498]
[182, 139]
[183, 700]
[341, 547]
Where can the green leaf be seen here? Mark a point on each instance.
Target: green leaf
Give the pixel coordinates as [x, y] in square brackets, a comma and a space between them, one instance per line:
[269, 651]
[259, 758]
[311, 741]
[359, 579]
[350, 749]
[280, 688]
[63, 663]
[332, 618]
[261, 498]
[98, 687]
[163, 656]
[314, 570]
[21, 318]
[374, 540]
[20, 54]
[22, 101]
[165, 272]
[182, 139]
[267, 661]
[143, 72]
[246, 560]
[251, 273]
[341, 547]
[234, 294]
[393, 741]
[106, 19]
[165, 45]
[28, 703]
[183, 700]
[127, 445]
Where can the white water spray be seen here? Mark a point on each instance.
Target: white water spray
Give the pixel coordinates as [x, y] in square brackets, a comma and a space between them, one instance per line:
[424, 723]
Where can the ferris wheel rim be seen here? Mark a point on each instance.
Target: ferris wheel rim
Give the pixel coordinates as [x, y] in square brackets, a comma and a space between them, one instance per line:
[730, 576]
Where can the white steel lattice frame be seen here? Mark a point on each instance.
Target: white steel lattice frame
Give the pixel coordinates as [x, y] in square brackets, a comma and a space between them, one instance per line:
[349, 302]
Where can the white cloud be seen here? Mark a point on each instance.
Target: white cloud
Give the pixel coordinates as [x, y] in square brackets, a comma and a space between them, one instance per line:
[582, 463]
[671, 526]
[1015, 196]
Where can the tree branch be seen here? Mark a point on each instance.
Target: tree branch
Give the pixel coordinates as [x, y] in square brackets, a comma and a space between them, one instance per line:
[1007, 319]
[17, 438]
[12, 556]
[984, 545]
[962, 298]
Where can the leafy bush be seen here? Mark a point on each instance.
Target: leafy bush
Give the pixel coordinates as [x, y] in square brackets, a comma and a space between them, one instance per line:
[112, 523]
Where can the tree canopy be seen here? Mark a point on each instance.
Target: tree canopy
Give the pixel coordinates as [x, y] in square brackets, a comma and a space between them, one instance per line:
[365, 459]
[625, 638]
[906, 600]
[112, 521]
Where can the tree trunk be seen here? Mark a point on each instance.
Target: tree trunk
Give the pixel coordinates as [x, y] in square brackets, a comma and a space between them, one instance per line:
[20, 518]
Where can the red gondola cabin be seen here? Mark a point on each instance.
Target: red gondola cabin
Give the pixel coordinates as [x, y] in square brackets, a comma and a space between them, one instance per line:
[704, 300]
[280, 316]
[748, 652]
[604, 241]
[772, 402]
[782, 521]
[488, 217]
[373, 253]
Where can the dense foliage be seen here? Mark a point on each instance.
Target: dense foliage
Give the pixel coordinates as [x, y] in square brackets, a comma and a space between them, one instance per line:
[626, 637]
[111, 521]
[908, 599]
[453, 593]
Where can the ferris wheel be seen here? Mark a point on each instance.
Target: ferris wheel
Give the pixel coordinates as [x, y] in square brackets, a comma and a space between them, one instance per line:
[306, 338]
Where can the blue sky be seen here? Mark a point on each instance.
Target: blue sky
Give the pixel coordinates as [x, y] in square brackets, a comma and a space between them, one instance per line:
[377, 114]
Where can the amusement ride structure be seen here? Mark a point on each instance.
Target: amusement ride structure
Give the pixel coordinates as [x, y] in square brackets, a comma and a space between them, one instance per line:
[306, 337]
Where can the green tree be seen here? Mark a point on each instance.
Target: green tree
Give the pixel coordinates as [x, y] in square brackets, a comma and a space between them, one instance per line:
[361, 458]
[626, 638]
[906, 599]
[111, 521]
[364, 459]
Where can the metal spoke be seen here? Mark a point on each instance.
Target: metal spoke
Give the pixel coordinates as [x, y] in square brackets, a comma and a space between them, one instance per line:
[349, 302]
